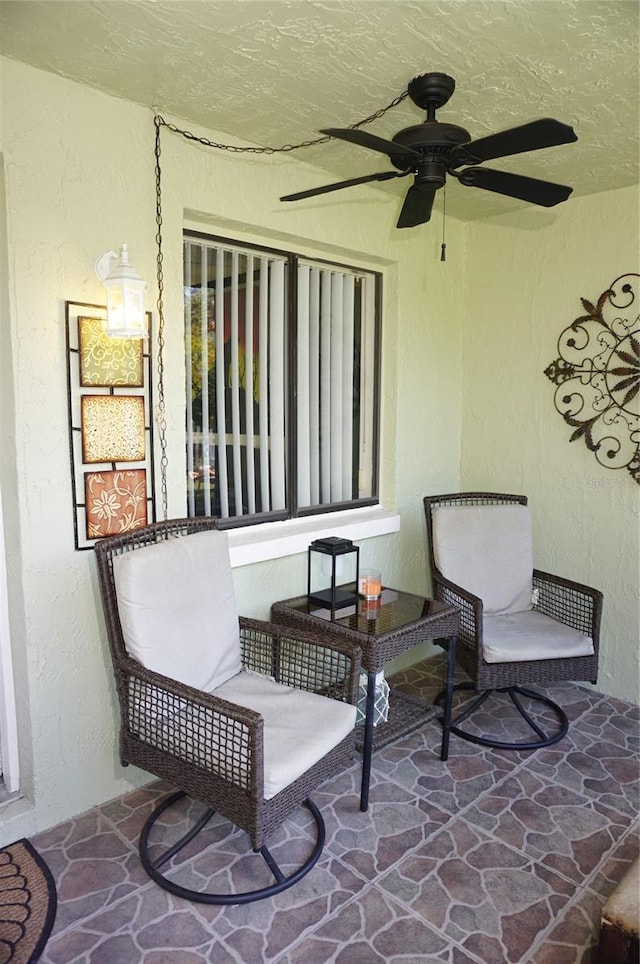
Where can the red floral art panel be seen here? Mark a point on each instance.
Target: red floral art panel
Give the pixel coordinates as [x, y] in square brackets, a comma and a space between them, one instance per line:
[108, 361]
[115, 502]
[112, 428]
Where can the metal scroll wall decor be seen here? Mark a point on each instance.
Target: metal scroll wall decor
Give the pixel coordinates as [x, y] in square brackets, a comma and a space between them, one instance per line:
[597, 375]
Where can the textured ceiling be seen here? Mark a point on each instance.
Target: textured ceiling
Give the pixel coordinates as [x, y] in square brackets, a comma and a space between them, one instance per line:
[273, 72]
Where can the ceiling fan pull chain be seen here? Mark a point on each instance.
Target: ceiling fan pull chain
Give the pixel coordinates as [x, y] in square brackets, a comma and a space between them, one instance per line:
[443, 248]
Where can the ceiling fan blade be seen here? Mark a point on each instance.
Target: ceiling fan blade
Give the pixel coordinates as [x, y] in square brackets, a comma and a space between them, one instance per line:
[374, 143]
[530, 189]
[545, 132]
[383, 176]
[417, 207]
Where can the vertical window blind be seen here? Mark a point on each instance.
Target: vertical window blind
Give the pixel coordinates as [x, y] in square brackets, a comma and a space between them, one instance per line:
[278, 349]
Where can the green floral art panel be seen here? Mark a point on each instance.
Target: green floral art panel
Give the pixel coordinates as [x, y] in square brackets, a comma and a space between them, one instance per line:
[597, 375]
[115, 502]
[106, 362]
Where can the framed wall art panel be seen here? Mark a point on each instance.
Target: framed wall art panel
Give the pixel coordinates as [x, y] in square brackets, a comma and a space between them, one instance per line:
[115, 501]
[112, 428]
[108, 362]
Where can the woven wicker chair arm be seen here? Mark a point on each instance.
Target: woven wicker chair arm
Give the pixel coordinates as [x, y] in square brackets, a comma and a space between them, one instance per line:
[453, 589]
[303, 636]
[195, 732]
[569, 602]
[541, 577]
[470, 608]
[470, 605]
[302, 658]
[170, 691]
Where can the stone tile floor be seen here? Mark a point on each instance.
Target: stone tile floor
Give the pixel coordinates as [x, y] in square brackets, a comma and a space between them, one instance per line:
[494, 856]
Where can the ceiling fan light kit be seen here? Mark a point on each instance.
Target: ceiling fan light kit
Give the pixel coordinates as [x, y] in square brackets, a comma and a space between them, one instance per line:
[432, 150]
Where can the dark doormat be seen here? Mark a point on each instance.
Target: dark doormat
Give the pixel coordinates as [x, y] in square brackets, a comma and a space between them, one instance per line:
[28, 903]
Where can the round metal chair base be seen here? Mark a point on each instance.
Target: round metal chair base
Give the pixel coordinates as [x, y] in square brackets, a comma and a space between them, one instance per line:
[543, 738]
[281, 883]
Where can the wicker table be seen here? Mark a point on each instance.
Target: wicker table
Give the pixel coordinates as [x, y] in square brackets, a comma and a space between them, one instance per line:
[400, 622]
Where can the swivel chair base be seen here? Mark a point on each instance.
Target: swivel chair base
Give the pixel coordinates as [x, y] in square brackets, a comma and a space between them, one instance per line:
[543, 739]
[282, 882]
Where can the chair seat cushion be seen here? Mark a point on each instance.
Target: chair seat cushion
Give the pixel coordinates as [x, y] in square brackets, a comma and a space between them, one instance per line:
[518, 637]
[488, 550]
[621, 912]
[177, 608]
[299, 727]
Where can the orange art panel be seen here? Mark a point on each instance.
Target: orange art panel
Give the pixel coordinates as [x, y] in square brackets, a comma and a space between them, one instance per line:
[115, 502]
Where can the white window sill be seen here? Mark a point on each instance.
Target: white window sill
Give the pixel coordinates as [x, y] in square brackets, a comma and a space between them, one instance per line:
[273, 540]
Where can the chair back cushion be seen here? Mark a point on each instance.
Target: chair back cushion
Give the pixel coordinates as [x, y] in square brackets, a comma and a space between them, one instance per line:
[487, 550]
[177, 608]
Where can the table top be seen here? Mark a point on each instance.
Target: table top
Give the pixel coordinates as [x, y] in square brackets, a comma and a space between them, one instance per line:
[384, 629]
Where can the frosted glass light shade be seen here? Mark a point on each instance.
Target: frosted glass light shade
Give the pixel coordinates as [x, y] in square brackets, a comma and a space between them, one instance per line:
[125, 295]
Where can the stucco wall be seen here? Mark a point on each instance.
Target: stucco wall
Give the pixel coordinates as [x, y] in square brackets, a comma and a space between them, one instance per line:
[525, 277]
[79, 181]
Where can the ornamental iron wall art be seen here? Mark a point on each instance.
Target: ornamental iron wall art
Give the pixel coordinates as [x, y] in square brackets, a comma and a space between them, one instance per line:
[597, 375]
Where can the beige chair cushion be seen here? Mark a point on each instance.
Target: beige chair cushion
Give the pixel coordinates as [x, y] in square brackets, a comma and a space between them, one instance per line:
[517, 637]
[487, 549]
[622, 909]
[177, 608]
[299, 727]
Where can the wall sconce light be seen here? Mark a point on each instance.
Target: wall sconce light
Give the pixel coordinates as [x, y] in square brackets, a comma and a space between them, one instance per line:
[125, 295]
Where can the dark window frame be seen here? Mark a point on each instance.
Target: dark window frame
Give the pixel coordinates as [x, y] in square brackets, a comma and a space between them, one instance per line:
[293, 259]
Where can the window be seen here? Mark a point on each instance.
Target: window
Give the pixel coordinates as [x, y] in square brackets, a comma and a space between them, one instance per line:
[282, 382]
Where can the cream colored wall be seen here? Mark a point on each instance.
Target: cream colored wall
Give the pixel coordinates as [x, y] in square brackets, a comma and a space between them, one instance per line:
[79, 181]
[525, 277]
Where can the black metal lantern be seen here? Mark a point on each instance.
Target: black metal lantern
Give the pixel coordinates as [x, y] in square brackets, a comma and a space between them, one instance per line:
[332, 576]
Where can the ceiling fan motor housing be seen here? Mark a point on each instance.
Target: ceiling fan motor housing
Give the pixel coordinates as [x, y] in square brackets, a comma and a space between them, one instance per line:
[434, 141]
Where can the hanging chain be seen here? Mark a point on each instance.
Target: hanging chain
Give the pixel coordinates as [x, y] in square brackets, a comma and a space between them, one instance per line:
[159, 122]
[161, 415]
[235, 149]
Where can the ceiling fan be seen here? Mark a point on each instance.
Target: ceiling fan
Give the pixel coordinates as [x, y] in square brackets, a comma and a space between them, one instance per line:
[432, 150]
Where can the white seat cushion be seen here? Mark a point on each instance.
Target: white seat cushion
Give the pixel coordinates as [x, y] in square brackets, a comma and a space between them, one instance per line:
[517, 637]
[622, 909]
[487, 549]
[299, 727]
[177, 608]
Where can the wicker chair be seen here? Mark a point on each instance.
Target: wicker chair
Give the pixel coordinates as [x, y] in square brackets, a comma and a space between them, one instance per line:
[518, 626]
[240, 715]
